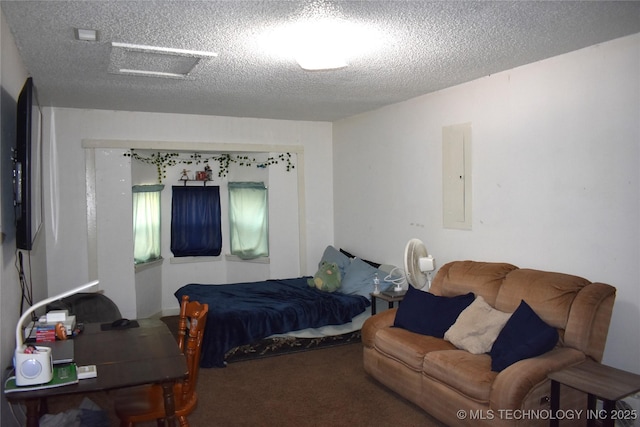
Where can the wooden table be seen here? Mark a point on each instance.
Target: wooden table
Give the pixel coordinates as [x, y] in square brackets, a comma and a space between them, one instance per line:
[391, 297]
[599, 382]
[148, 354]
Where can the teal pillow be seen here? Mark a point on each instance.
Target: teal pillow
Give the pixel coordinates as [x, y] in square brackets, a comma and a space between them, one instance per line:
[358, 278]
[427, 314]
[331, 254]
[524, 335]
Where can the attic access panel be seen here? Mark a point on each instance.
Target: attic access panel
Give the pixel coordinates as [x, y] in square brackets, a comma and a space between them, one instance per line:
[152, 61]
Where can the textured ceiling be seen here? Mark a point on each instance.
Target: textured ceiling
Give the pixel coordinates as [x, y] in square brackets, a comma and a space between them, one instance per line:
[424, 47]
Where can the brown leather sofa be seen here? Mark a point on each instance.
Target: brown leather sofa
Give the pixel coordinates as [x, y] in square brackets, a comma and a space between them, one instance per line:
[459, 388]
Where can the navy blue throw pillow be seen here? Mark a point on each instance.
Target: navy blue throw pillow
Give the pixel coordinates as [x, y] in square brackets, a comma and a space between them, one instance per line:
[424, 313]
[524, 335]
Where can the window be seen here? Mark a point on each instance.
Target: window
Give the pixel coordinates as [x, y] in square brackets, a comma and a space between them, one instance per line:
[146, 223]
[248, 219]
[195, 221]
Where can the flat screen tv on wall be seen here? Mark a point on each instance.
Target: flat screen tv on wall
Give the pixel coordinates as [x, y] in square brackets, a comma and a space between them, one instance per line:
[27, 172]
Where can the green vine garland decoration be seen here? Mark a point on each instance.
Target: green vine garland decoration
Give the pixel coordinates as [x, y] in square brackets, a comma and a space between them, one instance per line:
[164, 160]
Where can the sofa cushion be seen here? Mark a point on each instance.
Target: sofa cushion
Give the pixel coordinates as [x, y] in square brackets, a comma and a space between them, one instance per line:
[481, 278]
[477, 327]
[408, 347]
[469, 374]
[428, 314]
[524, 335]
[549, 294]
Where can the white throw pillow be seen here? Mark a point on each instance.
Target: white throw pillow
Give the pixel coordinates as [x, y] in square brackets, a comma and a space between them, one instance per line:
[477, 327]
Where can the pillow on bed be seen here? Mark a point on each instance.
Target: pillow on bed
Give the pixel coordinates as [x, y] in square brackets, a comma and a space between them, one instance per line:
[477, 327]
[358, 278]
[331, 254]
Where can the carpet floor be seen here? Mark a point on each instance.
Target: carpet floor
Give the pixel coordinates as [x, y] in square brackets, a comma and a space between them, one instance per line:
[323, 387]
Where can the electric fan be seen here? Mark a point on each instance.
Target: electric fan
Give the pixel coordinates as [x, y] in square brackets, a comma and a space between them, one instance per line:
[417, 263]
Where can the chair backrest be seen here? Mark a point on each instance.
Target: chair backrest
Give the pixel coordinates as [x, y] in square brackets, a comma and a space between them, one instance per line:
[193, 318]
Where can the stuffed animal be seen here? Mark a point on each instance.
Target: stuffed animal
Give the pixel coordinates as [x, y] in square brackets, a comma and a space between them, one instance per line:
[327, 278]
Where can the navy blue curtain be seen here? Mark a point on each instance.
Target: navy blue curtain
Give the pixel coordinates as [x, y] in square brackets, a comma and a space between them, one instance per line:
[195, 221]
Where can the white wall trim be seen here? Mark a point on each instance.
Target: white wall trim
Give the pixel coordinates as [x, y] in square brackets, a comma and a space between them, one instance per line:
[92, 214]
[192, 146]
[302, 215]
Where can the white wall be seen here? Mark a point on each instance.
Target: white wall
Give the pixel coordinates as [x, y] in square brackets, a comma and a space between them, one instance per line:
[555, 175]
[68, 249]
[12, 77]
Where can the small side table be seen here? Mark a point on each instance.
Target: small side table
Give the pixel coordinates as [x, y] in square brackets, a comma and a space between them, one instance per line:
[388, 296]
[599, 382]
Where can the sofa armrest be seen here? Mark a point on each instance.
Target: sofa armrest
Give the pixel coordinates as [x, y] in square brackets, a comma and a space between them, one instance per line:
[375, 323]
[589, 319]
[511, 386]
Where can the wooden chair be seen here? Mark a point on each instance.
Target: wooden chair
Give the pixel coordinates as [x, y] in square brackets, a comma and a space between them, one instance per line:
[140, 404]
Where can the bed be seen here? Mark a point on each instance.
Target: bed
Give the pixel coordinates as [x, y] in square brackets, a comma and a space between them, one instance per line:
[243, 313]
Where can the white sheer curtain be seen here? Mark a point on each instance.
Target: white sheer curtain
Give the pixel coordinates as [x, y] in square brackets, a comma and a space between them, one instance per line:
[249, 219]
[146, 223]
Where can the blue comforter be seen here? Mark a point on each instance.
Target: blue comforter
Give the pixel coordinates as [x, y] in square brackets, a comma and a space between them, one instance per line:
[243, 313]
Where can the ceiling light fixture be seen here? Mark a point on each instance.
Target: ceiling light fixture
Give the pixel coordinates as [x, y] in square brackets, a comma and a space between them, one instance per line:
[321, 43]
[319, 46]
[86, 35]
